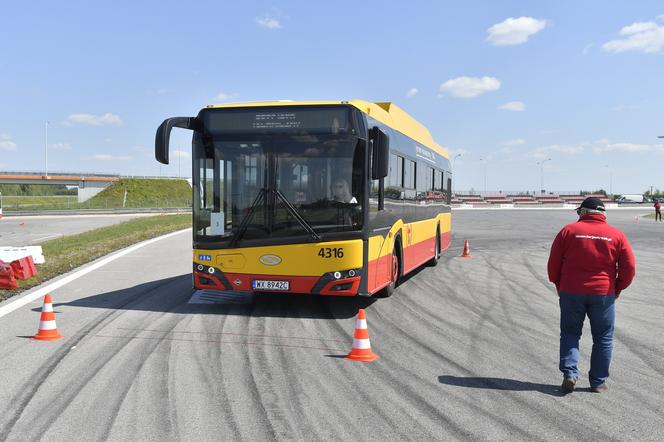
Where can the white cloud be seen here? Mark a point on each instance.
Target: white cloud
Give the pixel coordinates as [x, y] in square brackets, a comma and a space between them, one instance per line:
[223, 96]
[563, 149]
[514, 31]
[268, 22]
[625, 107]
[59, 146]
[515, 142]
[514, 106]
[645, 37]
[598, 147]
[181, 154]
[469, 87]
[638, 27]
[94, 120]
[604, 147]
[106, 157]
[412, 92]
[6, 142]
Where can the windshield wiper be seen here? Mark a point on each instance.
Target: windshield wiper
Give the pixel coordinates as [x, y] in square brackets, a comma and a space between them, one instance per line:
[247, 218]
[293, 211]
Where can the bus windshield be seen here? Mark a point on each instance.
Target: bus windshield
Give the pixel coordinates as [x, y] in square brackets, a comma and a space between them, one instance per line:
[276, 186]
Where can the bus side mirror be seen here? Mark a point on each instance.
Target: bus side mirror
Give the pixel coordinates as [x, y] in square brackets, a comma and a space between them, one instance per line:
[381, 153]
[164, 134]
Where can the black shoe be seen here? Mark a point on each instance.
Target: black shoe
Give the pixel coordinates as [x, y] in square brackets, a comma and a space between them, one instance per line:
[568, 385]
[599, 389]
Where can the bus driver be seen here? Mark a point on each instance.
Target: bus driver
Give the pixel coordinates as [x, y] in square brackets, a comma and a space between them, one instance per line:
[341, 192]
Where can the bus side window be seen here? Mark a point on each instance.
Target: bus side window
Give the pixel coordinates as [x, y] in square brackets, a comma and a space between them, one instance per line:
[449, 190]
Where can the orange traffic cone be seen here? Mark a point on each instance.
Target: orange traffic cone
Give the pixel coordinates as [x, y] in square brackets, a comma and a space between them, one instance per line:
[466, 249]
[361, 350]
[48, 331]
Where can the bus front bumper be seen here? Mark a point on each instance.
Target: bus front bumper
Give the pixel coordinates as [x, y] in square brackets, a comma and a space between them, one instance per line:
[341, 283]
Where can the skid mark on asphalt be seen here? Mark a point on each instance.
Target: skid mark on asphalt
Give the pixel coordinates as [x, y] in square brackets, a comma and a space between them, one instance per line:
[30, 388]
[118, 388]
[435, 357]
[280, 422]
[216, 367]
[216, 341]
[246, 335]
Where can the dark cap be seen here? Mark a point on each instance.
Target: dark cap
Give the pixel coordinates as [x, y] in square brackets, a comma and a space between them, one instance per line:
[592, 203]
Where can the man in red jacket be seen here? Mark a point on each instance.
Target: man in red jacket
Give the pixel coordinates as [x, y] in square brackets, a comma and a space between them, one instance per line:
[590, 263]
[658, 208]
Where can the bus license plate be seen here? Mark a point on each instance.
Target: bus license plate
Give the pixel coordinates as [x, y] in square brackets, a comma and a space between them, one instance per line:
[270, 285]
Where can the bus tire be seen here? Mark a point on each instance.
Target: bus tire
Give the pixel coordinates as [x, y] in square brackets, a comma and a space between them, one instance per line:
[436, 257]
[395, 272]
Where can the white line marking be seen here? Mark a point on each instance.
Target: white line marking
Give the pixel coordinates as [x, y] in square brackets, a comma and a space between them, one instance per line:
[31, 296]
[46, 237]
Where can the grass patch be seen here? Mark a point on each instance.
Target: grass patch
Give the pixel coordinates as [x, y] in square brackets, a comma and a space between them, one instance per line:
[141, 193]
[66, 253]
[144, 193]
[12, 203]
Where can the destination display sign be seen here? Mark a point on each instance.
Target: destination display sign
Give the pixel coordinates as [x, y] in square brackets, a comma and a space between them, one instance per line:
[277, 119]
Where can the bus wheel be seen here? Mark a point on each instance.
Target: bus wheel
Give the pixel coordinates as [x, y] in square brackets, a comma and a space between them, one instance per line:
[395, 268]
[436, 257]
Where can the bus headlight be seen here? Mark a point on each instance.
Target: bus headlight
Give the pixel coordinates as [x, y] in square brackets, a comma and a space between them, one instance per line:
[210, 270]
[200, 267]
[337, 275]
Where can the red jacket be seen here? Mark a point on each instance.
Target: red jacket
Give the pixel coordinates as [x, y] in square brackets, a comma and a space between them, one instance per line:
[657, 206]
[591, 257]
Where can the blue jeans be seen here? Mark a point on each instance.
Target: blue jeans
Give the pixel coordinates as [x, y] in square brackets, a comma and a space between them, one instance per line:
[602, 314]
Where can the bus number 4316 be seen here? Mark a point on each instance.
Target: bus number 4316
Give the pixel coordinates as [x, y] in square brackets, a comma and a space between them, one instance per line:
[334, 252]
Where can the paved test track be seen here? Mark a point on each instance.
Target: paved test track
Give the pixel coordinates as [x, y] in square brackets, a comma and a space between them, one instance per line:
[467, 350]
[32, 230]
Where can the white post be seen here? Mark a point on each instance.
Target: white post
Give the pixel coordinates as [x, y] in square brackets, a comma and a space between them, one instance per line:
[453, 172]
[46, 152]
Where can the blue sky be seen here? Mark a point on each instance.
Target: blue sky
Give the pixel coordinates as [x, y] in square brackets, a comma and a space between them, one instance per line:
[506, 84]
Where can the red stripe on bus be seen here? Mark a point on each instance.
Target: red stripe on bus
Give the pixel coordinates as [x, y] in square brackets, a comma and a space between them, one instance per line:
[414, 256]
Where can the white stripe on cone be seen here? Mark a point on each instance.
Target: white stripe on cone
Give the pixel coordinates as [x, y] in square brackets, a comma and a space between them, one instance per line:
[47, 325]
[361, 344]
[361, 324]
[48, 308]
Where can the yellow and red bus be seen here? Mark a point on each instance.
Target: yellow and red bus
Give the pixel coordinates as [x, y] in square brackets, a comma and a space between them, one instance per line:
[324, 197]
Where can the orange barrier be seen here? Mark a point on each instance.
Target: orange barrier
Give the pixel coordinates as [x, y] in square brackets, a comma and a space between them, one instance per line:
[24, 268]
[48, 331]
[466, 249]
[7, 279]
[361, 350]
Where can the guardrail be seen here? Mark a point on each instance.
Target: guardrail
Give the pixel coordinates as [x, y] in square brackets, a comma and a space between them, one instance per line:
[96, 211]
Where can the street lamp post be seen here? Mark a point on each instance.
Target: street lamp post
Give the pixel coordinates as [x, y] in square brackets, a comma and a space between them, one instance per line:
[610, 179]
[484, 161]
[541, 165]
[454, 170]
[46, 152]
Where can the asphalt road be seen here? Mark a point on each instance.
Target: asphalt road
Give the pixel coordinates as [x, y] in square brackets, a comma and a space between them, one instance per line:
[468, 350]
[21, 231]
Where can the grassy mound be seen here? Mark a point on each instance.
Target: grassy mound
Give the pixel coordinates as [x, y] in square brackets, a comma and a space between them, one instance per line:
[144, 193]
